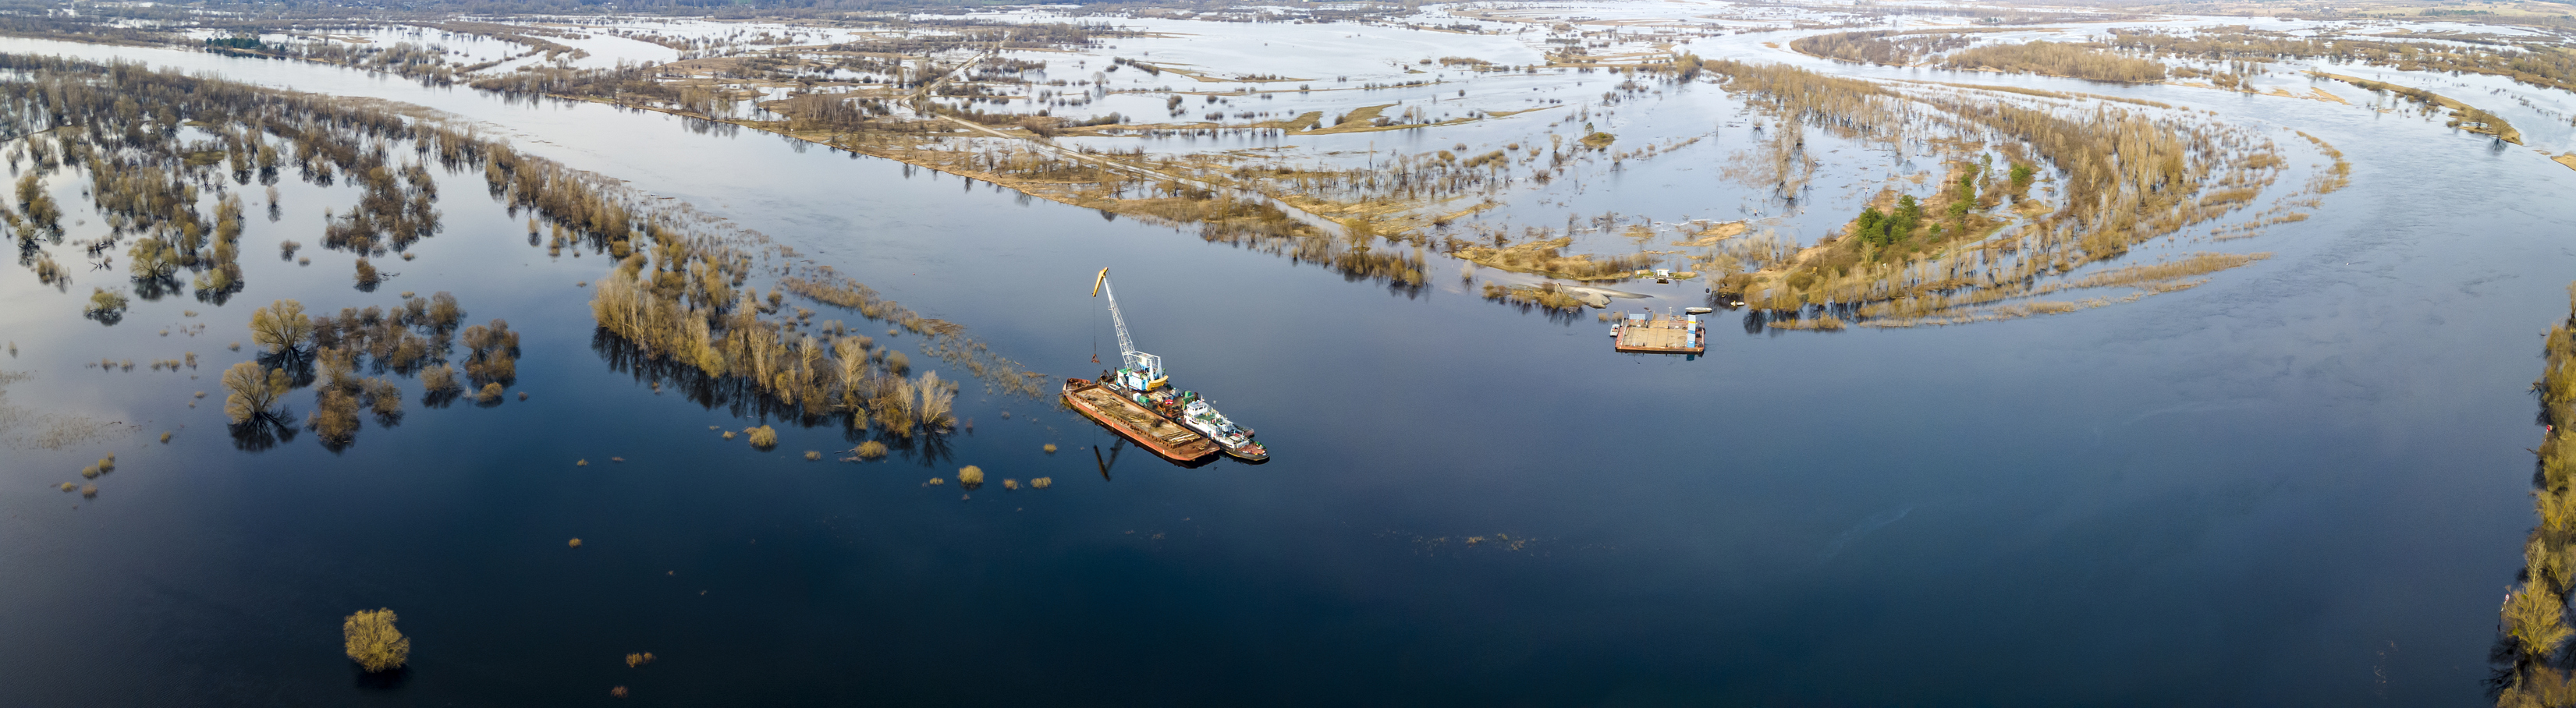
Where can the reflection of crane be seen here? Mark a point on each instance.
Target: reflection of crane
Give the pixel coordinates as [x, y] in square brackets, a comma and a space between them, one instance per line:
[1143, 372]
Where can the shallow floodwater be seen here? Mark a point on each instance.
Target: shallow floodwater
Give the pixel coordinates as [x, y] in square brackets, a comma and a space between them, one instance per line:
[2301, 483]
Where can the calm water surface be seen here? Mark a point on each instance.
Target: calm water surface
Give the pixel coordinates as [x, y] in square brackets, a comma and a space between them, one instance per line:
[2301, 483]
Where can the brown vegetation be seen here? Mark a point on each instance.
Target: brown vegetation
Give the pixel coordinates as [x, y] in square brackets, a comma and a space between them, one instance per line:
[370, 639]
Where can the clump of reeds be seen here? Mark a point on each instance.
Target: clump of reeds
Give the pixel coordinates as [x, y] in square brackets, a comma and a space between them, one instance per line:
[1042, 482]
[937, 403]
[585, 462]
[763, 437]
[871, 450]
[813, 455]
[1010, 484]
[90, 472]
[935, 481]
[107, 464]
[371, 640]
[165, 437]
[68, 487]
[89, 491]
[970, 476]
[575, 543]
[728, 435]
[1050, 448]
[639, 659]
[491, 393]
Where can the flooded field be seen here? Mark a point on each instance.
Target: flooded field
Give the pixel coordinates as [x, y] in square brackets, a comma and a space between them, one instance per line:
[695, 360]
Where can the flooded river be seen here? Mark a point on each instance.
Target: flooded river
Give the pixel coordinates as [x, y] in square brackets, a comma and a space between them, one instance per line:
[2304, 482]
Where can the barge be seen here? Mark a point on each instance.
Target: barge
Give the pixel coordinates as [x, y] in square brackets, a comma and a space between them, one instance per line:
[1128, 418]
[1649, 334]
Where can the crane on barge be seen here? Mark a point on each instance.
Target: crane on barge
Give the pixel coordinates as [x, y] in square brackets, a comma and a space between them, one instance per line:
[1141, 372]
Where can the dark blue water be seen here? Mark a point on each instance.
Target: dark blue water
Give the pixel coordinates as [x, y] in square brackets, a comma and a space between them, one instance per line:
[2301, 483]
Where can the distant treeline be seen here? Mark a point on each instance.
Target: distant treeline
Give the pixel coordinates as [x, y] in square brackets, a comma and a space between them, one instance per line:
[1887, 47]
[2058, 59]
[2537, 64]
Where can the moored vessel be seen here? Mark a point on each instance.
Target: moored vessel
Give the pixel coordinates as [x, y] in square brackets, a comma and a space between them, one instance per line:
[1236, 440]
[1142, 384]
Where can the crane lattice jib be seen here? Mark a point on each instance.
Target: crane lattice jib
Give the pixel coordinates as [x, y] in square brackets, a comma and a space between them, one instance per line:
[1127, 353]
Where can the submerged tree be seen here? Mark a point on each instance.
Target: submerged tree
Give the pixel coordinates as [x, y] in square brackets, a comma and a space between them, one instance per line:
[281, 326]
[254, 391]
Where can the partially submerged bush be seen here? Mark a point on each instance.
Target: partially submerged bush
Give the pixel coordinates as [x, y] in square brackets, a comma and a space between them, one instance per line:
[763, 437]
[336, 416]
[372, 641]
[103, 302]
[871, 450]
[383, 396]
[438, 378]
[1042, 483]
[971, 476]
[491, 393]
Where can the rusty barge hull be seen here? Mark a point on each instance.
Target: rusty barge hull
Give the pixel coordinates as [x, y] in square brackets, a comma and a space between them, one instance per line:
[1136, 423]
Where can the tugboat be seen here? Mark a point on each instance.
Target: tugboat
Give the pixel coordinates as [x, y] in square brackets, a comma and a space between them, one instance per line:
[1236, 440]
